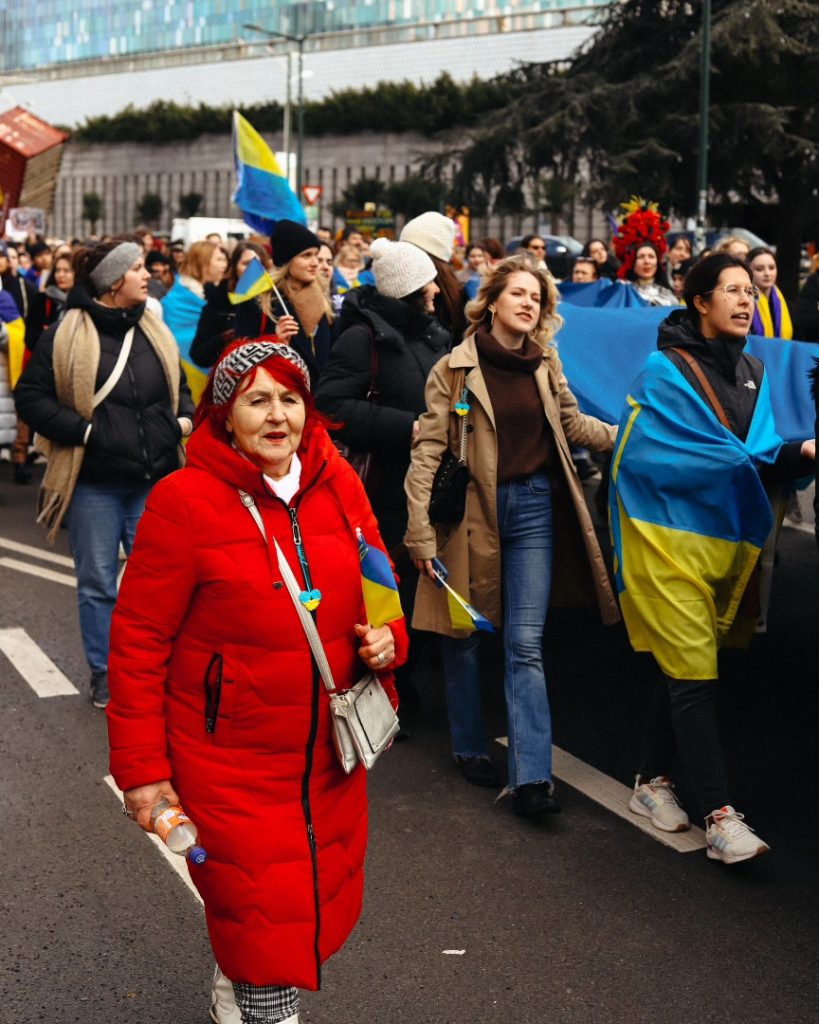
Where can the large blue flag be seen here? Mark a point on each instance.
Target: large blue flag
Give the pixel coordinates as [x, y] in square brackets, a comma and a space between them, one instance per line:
[263, 193]
[181, 309]
[603, 350]
[688, 515]
[603, 293]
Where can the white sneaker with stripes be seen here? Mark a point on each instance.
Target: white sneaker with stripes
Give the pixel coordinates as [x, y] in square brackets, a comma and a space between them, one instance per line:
[656, 800]
[730, 839]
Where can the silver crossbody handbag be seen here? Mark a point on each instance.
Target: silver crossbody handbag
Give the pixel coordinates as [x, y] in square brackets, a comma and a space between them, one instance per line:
[363, 719]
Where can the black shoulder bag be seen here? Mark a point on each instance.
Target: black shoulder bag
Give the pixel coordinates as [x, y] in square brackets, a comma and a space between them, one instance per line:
[447, 501]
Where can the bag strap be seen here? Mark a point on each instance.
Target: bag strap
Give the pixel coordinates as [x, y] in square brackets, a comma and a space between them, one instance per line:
[290, 582]
[705, 384]
[373, 394]
[116, 373]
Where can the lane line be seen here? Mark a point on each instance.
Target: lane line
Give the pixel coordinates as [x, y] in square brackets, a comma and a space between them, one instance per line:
[38, 570]
[614, 796]
[179, 864]
[40, 553]
[34, 665]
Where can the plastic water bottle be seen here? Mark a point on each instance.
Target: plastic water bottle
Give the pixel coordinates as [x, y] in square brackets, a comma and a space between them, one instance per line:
[177, 831]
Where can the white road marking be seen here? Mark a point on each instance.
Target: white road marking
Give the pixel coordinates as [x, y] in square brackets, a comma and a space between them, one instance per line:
[614, 796]
[38, 570]
[40, 553]
[179, 864]
[453, 952]
[34, 665]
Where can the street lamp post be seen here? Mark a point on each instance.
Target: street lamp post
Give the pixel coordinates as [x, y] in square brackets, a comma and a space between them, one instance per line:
[299, 41]
[705, 101]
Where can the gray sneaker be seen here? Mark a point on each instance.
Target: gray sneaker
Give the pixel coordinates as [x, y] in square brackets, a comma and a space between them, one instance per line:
[99, 689]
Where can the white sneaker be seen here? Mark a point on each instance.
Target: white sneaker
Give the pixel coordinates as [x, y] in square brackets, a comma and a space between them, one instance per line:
[223, 1008]
[656, 800]
[730, 839]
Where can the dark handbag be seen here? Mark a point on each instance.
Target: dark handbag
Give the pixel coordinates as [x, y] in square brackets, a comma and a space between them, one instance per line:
[447, 501]
[362, 461]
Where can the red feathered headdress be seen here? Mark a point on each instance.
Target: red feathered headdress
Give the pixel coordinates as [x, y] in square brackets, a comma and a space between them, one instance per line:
[640, 224]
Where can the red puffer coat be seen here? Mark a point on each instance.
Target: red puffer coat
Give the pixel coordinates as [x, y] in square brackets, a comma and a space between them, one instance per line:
[202, 601]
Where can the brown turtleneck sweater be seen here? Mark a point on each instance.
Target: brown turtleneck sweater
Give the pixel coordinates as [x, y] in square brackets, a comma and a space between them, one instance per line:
[525, 441]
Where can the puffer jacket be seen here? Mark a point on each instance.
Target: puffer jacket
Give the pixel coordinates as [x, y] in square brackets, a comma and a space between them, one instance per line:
[203, 617]
[406, 345]
[135, 433]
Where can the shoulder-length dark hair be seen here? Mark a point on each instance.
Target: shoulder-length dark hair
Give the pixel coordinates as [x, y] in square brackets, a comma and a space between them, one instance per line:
[704, 277]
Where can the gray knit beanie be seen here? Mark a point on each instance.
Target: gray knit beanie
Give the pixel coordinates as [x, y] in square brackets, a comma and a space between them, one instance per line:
[118, 261]
[400, 269]
[432, 232]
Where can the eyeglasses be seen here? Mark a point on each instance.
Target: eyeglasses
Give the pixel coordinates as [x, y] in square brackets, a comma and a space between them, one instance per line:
[733, 291]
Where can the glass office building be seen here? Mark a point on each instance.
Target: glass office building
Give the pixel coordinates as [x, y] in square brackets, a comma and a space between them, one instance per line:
[38, 34]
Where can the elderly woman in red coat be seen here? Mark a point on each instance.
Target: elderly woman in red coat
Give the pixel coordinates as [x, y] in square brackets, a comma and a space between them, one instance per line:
[216, 702]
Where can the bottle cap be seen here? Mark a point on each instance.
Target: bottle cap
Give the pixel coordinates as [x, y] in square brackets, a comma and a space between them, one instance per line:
[197, 855]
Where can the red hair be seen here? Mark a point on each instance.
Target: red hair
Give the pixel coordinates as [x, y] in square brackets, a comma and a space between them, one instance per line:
[278, 367]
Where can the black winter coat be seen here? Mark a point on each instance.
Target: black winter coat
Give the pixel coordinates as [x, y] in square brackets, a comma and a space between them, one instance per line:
[220, 322]
[735, 377]
[134, 432]
[407, 346]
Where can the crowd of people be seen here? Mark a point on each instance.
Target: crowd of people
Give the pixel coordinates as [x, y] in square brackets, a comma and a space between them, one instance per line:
[368, 385]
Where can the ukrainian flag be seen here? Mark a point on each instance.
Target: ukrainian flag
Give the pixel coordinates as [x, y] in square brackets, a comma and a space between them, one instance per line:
[688, 518]
[263, 193]
[381, 601]
[16, 329]
[253, 282]
[181, 309]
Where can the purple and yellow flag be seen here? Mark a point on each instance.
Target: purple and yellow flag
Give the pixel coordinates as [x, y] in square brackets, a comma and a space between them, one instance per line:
[16, 328]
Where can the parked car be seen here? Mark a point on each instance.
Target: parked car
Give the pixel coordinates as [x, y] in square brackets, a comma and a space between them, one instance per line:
[561, 251]
[713, 236]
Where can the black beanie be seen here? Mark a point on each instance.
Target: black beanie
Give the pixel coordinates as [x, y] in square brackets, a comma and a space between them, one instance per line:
[289, 239]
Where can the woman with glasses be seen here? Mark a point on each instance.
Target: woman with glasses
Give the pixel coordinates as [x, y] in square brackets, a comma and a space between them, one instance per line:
[689, 516]
[772, 318]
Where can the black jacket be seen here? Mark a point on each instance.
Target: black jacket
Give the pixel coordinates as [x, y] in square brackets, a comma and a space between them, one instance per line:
[220, 322]
[407, 346]
[134, 432]
[46, 309]
[806, 310]
[23, 292]
[735, 377]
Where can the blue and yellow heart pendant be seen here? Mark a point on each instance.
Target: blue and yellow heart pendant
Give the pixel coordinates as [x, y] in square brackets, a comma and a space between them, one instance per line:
[310, 599]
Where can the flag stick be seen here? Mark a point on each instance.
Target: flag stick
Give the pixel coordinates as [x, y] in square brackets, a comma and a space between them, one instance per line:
[281, 300]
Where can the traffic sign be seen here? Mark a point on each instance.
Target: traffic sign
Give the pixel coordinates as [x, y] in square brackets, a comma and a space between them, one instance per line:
[311, 193]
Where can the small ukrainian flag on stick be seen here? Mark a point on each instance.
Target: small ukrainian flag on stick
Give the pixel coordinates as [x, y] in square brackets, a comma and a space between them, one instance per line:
[381, 601]
[253, 282]
[461, 613]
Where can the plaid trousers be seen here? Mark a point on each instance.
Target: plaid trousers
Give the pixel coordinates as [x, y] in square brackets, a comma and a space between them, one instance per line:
[265, 1004]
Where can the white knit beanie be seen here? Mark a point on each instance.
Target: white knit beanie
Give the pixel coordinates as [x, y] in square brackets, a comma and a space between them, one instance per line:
[400, 269]
[432, 232]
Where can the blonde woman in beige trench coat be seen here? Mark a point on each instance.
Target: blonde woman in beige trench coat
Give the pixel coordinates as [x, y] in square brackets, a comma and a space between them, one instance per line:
[526, 518]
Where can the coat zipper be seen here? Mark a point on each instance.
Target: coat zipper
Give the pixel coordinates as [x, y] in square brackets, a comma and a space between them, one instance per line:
[213, 694]
[311, 739]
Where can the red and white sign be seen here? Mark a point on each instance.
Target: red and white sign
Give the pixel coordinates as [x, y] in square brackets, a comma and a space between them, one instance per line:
[311, 193]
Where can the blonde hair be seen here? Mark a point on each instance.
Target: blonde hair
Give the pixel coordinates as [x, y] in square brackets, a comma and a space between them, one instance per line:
[349, 250]
[280, 276]
[495, 281]
[197, 260]
[725, 243]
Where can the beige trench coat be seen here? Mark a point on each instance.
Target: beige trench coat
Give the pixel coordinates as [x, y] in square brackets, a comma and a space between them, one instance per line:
[471, 550]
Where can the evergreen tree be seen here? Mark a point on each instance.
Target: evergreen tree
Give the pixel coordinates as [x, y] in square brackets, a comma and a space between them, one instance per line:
[625, 112]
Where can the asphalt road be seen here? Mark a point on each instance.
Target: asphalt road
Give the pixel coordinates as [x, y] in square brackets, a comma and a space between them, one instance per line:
[580, 920]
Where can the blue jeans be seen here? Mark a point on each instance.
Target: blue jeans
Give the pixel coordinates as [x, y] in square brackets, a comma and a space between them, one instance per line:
[99, 517]
[526, 536]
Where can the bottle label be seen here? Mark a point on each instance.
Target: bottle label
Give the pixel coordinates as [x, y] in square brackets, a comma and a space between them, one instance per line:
[168, 820]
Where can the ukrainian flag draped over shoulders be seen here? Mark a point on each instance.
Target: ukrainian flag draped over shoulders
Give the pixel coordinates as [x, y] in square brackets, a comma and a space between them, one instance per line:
[16, 330]
[263, 193]
[688, 517]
